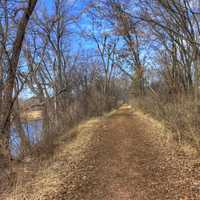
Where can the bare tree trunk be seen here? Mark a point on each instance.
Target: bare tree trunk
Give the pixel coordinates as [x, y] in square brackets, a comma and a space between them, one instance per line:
[196, 82]
[24, 141]
[1, 92]
[8, 100]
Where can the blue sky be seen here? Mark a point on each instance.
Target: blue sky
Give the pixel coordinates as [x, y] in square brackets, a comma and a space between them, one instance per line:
[74, 7]
[77, 43]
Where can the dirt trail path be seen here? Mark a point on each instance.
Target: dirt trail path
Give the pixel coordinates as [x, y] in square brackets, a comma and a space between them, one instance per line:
[124, 160]
[127, 161]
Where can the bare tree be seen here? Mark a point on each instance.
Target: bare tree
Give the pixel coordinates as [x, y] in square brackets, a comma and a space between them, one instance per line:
[12, 65]
[176, 25]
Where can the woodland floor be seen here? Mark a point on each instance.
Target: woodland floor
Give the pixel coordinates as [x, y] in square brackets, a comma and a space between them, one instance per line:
[123, 157]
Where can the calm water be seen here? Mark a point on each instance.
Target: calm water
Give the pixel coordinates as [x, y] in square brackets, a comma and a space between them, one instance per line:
[32, 130]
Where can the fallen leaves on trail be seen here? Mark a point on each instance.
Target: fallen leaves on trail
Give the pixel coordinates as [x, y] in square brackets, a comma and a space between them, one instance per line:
[121, 156]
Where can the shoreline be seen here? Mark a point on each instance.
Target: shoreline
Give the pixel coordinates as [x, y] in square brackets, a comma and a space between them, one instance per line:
[31, 116]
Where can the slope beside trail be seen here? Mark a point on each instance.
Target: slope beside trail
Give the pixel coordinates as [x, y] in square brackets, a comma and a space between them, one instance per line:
[125, 159]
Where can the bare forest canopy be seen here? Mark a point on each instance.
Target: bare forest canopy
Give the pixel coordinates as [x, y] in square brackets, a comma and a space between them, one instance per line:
[75, 59]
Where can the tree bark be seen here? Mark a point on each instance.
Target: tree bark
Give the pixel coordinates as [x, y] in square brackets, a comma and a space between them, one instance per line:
[8, 99]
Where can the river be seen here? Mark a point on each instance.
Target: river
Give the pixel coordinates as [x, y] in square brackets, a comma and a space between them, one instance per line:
[33, 132]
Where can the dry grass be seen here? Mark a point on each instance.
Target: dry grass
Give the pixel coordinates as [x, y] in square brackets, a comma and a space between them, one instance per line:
[49, 177]
[178, 117]
[130, 130]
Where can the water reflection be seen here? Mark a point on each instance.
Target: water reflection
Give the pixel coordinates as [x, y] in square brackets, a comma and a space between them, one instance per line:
[33, 132]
